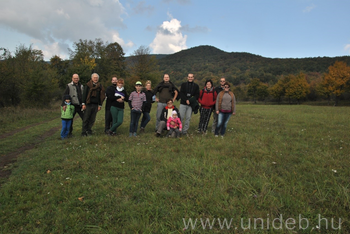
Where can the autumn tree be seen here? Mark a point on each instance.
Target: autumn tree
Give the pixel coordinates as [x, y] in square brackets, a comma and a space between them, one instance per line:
[297, 87]
[104, 58]
[336, 80]
[278, 90]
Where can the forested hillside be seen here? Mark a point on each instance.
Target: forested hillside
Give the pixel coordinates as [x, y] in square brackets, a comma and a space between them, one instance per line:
[239, 68]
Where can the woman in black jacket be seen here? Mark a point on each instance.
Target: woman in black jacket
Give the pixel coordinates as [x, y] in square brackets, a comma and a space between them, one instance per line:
[117, 97]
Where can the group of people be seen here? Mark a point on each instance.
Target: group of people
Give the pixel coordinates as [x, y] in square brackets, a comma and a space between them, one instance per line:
[87, 100]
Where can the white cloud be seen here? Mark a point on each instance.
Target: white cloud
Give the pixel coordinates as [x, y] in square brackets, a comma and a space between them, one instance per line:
[56, 23]
[169, 38]
[347, 48]
[309, 8]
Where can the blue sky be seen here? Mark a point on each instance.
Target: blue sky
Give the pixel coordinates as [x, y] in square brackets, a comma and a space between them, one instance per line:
[270, 28]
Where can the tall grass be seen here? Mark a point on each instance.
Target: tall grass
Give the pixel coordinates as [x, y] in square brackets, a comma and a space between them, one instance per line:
[274, 161]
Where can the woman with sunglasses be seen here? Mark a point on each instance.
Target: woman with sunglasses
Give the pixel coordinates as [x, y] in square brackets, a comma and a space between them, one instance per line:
[225, 107]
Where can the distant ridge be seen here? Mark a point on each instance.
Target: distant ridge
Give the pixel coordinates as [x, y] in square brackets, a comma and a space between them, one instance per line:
[209, 62]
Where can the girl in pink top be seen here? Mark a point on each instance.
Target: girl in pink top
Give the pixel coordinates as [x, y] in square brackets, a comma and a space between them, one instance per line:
[174, 125]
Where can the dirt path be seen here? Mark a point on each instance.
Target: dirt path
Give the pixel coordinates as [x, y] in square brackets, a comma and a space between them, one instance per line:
[24, 128]
[12, 156]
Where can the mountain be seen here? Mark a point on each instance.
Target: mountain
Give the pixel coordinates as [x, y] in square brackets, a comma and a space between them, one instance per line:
[209, 62]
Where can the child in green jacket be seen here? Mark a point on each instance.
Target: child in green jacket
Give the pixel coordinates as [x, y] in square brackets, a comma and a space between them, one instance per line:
[67, 116]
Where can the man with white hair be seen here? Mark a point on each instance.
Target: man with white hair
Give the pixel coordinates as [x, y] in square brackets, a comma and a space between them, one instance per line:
[93, 97]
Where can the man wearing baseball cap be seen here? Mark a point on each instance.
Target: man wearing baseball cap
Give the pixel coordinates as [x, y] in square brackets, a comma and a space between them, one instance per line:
[136, 101]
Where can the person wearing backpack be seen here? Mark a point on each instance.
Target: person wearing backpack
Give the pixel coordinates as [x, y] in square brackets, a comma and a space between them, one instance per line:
[207, 99]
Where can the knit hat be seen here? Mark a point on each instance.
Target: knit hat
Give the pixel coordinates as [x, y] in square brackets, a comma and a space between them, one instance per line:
[67, 97]
[174, 112]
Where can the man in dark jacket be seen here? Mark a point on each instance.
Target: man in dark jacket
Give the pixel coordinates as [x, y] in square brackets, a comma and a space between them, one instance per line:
[108, 115]
[75, 90]
[189, 94]
[93, 97]
[167, 90]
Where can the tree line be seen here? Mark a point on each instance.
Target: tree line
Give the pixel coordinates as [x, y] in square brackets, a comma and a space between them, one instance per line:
[28, 80]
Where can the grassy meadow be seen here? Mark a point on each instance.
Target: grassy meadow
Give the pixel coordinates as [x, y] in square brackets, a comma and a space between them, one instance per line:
[279, 169]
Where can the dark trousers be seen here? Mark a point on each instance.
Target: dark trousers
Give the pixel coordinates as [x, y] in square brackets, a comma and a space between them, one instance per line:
[134, 122]
[108, 119]
[89, 118]
[174, 132]
[145, 119]
[77, 109]
[204, 119]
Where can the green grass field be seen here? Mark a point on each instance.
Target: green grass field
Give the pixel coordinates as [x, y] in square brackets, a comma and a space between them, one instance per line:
[279, 169]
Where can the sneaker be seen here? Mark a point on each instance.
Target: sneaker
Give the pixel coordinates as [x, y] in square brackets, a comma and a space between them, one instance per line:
[222, 137]
[135, 134]
[130, 134]
[216, 135]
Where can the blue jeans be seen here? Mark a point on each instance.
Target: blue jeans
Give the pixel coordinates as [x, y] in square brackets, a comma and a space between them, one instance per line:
[134, 122]
[223, 119]
[66, 123]
[145, 119]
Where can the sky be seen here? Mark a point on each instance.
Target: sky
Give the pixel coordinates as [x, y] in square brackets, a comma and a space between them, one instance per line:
[269, 28]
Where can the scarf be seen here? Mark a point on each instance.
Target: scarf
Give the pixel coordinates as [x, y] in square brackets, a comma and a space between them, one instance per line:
[93, 91]
[208, 90]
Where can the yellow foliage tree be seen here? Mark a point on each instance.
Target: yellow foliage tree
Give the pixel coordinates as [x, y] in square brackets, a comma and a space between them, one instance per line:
[297, 87]
[335, 81]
